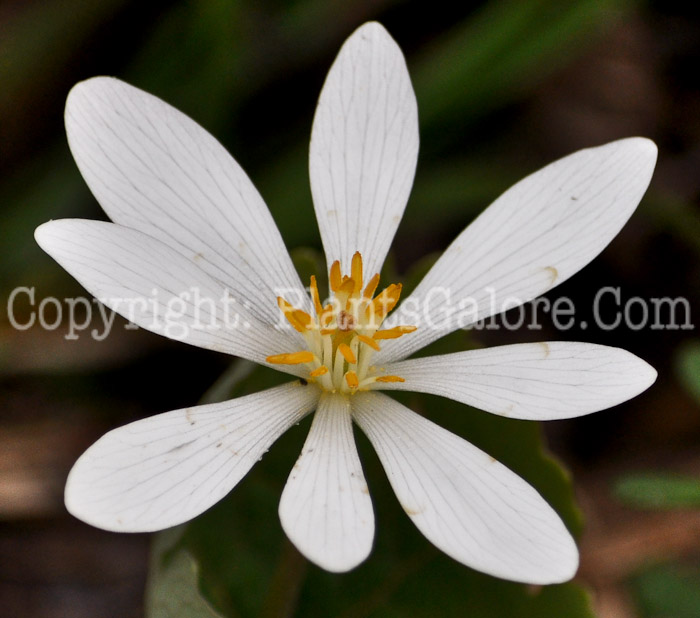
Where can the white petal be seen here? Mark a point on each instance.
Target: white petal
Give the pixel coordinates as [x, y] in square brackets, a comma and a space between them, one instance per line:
[533, 237]
[364, 147]
[158, 289]
[155, 170]
[325, 507]
[162, 471]
[466, 503]
[534, 381]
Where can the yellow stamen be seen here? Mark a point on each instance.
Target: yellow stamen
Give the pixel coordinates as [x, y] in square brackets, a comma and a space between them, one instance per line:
[394, 333]
[334, 333]
[371, 287]
[385, 301]
[346, 287]
[345, 350]
[356, 272]
[295, 358]
[315, 296]
[369, 341]
[289, 312]
[336, 278]
[303, 318]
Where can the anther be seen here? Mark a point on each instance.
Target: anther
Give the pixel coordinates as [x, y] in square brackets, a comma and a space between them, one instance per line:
[371, 287]
[384, 302]
[394, 333]
[313, 288]
[369, 341]
[351, 379]
[335, 278]
[295, 358]
[356, 272]
[345, 350]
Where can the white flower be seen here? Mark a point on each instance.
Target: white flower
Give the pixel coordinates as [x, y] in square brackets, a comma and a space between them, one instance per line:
[186, 217]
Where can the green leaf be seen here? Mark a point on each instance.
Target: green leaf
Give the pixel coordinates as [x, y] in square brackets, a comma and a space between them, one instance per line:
[667, 591]
[507, 48]
[659, 491]
[688, 368]
[172, 590]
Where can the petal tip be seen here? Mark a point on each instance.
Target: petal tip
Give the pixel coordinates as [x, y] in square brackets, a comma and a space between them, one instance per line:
[85, 85]
[86, 92]
[649, 375]
[372, 33]
[40, 233]
[331, 558]
[640, 147]
[559, 569]
[47, 233]
[641, 374]
[371, 28]
[565, 569]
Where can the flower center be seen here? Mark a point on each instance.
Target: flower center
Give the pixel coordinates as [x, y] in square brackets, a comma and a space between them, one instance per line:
[344, 334]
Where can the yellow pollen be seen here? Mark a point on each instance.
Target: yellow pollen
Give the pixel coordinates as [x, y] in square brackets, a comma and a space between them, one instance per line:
[321, 371]
[394, 333]
[369, 341]
[390, 379]
[351, 379]
[345, 350]
[295, 358]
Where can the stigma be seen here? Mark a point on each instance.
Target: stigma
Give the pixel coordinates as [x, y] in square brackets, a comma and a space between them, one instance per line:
[343, 335]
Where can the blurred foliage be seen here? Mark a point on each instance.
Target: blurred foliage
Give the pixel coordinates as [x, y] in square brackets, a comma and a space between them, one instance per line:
[174, 588]
[504, 51]
[656, 490]
[668, 591]
[688, 368]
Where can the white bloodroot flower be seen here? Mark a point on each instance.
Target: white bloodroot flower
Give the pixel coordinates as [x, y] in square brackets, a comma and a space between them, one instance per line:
[189, 226]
